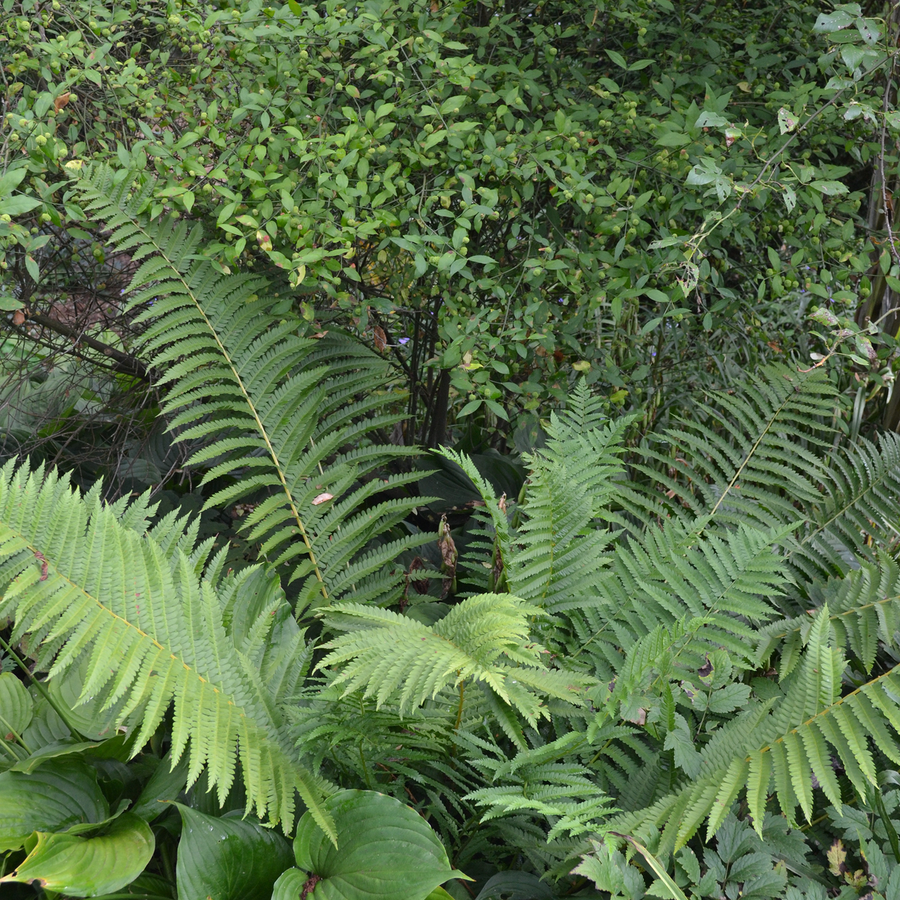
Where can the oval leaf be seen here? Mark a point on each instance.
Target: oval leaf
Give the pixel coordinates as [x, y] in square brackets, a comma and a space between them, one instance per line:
[386, 850]
[290, 885]
[16, 707]
[51, 799]
[228, 859]
[165, 785]
[515, 886]
[830, 187]
[88, 866]
[88, 718]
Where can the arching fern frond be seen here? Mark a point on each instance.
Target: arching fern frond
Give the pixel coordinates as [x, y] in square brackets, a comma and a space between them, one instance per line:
[484, 639]
[746, 456]
[130, 610]
[787, 748]
[767, 455]
[864, 611]
[277, 414]
[857, 512]
[713, 590]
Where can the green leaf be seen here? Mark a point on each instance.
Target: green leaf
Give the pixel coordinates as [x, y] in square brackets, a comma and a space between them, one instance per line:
[703, 175]
[16, 707]
[708, 119]
[89, 866]
[88, 719]
[832, 21]
[228, 859]
[515, 886]
[658, 868]
[829, 187]
[386, 851]
[52, 799]
[787, 121]
[673, 139]
[451, 104]
[15, 206]
[790, 199]
[164, 785]
[11, 179]
[290, 885]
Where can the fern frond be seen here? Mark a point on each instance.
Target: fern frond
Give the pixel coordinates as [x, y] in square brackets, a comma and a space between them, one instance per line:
[788, 748]
[554, 558]
[277, 414]
[484, 639]
[147, 632]
[864, 611]
[746, 457]
[857, 512]
[679, 596]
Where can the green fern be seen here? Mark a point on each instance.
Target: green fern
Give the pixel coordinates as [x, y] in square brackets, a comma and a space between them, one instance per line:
[277, 414]
[855, 514]
[787, 748]
[130, 610]
[747, 457]
[684, 591]
[484, 639]
[864, 615]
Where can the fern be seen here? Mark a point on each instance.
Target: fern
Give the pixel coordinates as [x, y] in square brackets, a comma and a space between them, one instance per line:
[792, 743]
[747, 458]
[615, 661]
[856, 513]
[276, 414]
[684, 592]
[864, 613]
[484, 639]
[131, 612]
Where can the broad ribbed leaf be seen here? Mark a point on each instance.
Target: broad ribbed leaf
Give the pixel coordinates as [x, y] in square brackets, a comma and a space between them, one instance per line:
[89, 866]
[63, 794]
[16, 712]
[228, 859]
[386, 851]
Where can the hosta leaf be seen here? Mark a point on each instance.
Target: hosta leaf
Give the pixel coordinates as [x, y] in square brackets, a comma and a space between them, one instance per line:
[16, 707]
[88, 718]
[165, 784]
[51, 799]
[228, 859]
[385, 851]
[515, 886]
[89, 866]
